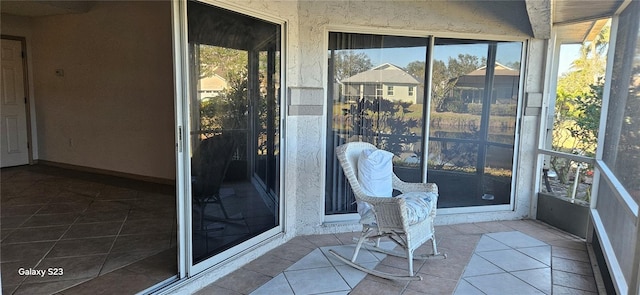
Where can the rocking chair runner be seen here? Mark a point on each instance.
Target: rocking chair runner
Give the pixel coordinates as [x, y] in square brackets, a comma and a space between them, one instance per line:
[392, 215]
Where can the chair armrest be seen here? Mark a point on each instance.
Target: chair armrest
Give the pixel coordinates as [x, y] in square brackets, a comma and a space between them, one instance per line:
[405, 187]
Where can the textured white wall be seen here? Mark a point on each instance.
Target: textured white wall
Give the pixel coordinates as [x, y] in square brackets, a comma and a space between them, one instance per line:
[305, 134]
[471, 19]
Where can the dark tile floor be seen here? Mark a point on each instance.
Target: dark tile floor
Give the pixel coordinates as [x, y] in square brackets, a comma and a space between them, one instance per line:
[92, 229]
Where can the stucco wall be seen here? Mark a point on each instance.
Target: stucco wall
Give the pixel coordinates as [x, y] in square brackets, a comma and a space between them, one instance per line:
[475, 20]
[114, 107]
[305, 122]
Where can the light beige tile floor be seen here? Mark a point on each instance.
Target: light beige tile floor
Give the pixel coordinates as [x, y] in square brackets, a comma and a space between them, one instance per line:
[525, 257]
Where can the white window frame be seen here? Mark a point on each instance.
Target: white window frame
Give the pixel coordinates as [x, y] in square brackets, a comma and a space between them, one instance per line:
[182, 91]
[446, 215]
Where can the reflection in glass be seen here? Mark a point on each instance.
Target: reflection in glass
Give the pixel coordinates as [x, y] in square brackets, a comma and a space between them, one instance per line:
[496, 181]
[376, 94]
[378, 97]
[234, 134]
[474, 101]
[457, 89]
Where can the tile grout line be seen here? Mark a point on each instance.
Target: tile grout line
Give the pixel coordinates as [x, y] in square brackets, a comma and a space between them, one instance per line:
[504, 270]
[110, 248]
[54, 243]
[114, 240]
[62, 192]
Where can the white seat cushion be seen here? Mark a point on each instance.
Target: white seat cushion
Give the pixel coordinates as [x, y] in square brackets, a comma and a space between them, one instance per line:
[419, 204]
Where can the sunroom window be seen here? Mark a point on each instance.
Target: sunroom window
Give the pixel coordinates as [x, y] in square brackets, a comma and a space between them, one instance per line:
[468, 145]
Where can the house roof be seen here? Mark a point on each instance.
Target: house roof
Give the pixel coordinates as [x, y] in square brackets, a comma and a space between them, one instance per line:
[500, 70]
[384, 73]
[214, 82]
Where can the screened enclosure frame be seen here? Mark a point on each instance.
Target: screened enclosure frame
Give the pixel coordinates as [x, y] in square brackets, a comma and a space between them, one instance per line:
[621, 249]
[614, 213]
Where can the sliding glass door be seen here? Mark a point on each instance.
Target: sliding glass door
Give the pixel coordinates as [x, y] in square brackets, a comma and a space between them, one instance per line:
[446, 108]
[474, 103]
[376, 94]
[234, 134]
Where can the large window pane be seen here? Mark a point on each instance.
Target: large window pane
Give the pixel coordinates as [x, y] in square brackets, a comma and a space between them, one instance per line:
[621, 153]
[576, 111]
[376, 94]
[474, 101]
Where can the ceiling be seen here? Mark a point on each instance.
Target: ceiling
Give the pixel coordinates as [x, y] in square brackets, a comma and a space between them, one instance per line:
[572, 11]
[581, 31]
[577, 21]
[43, 8]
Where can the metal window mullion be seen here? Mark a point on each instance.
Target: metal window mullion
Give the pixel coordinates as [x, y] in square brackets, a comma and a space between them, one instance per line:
[486, 112]
[426, 108]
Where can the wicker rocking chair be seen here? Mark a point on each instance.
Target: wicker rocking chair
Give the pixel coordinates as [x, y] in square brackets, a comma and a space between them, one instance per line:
[392, 216]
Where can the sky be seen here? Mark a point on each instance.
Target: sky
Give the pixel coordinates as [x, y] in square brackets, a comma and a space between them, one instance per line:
[568, 53]
[507, 53]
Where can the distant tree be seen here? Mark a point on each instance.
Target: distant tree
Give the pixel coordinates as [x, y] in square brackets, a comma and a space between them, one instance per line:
[445, 77]
[228, 110]
[579, 93]
[228, 61]
[587, 118]
[578, 104]
[515, 65]
[417, 69]
[349, 63]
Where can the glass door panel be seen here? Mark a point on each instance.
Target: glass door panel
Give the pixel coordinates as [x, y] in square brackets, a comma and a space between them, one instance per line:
[234, 109]
[376, 94]
[265, 100]
[473, 119]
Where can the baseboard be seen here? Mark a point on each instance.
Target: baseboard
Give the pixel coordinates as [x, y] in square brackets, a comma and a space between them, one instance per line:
[131, 176]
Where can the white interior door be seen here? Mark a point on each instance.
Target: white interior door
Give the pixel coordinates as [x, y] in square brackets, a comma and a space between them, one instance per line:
[14, 140]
